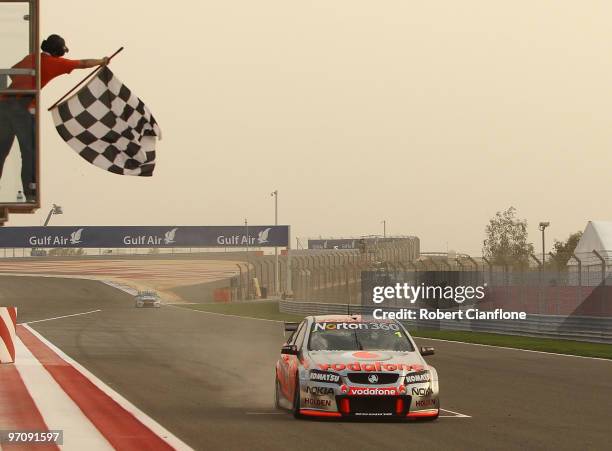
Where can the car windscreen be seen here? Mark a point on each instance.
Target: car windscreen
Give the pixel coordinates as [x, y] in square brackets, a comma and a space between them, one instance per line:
[358, 336]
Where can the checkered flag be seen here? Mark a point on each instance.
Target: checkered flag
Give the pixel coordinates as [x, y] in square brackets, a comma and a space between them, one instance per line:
[106, 124]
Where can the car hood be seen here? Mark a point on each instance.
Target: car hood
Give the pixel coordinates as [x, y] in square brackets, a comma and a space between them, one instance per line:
[367, 361]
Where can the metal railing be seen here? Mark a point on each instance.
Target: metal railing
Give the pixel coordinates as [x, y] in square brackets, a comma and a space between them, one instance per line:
[5, 73]
[580, 328]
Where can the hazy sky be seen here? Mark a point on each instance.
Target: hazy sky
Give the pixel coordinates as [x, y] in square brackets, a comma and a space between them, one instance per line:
[431, 115]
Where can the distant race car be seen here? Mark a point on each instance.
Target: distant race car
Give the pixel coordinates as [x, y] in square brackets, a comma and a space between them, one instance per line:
[341, 366]
[147, 299]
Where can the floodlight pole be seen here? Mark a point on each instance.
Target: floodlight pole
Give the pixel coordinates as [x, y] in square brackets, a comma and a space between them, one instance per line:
[55, 210]
[246, 225]
[542, 228]
[48, 218]
[276, 278]
[288, 272]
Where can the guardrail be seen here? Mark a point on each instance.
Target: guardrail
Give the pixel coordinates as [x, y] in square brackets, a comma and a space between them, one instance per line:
[579, 328]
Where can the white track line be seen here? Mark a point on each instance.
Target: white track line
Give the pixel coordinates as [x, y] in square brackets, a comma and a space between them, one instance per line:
[157, 428]
[225, 314]
[181, 303]
[514, 349]
[456, 414]
[60, 317]
[121, 287]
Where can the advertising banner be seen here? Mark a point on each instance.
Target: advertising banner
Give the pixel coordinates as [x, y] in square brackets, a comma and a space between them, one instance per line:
[350, 243]
[145, 236]
[333, 244]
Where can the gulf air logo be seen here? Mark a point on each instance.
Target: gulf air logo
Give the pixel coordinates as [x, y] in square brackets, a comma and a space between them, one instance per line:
[169, 236]
[75, 237]
[262, 237]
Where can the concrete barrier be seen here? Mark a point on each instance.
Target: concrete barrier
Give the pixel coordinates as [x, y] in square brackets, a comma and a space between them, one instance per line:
[8, 324]
[579, 328]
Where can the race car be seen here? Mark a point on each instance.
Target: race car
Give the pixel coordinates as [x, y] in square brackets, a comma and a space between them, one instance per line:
[147, 299]
[351, 366]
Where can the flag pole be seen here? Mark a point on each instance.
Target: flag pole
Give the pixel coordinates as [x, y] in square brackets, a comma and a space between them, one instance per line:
[95, 71]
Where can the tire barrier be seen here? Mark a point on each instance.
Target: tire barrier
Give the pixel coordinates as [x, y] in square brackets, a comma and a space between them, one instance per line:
[8, 324]
[578, 328]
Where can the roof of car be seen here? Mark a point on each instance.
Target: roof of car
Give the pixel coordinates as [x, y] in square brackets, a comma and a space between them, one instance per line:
[357, 318]
[338, 318]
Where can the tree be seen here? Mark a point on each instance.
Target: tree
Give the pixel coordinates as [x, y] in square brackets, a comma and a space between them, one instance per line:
[563, 250]
[506, 240]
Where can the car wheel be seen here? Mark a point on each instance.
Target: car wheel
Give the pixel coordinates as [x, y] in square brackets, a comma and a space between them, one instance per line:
[277, 394]
[433, 418]
[296, 398]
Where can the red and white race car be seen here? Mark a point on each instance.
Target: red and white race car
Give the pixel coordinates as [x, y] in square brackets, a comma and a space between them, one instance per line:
[342, 366]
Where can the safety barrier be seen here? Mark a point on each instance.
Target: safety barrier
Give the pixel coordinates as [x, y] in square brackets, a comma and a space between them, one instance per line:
[8, 324]
[579, 328]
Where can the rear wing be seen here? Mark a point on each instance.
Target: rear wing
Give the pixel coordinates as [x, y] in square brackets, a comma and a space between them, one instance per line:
[291, 327]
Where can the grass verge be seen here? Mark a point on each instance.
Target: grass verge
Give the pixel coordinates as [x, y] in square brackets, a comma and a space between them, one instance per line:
[254, 309]
[269, 310]
[580, 348]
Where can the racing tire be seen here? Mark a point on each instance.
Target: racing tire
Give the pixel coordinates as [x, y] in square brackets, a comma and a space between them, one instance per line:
[430, 418]
[433, 418]
[296, 399]
[277, 394]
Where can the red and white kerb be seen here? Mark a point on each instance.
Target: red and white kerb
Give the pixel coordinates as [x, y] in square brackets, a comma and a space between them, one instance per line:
[8, 322]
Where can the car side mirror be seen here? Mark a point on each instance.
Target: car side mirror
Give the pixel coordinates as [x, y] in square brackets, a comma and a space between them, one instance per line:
[289, 350]
[427, 350]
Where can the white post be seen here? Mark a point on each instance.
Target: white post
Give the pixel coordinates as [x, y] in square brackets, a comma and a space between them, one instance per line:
[246, 225]
[276, 274]
[289, 287]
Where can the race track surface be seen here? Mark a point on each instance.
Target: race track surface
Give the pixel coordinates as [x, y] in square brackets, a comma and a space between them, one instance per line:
[209, 379]
[187, 273]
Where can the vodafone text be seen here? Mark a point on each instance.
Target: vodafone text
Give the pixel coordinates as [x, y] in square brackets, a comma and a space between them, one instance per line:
[373, 391]
[374, 366]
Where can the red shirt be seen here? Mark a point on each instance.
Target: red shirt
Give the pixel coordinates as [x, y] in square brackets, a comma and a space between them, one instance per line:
[51, 67]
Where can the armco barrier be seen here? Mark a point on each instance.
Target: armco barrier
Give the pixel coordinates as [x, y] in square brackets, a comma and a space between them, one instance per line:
[8, 323]
[580, 328]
